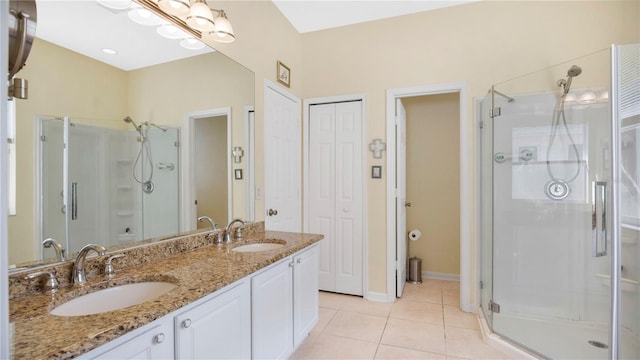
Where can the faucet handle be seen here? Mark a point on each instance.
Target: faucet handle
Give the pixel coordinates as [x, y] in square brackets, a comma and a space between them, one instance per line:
[51, 284]
[109, 270]
[238, 233]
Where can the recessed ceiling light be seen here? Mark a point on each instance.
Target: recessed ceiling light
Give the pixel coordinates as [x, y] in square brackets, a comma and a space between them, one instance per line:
[171, 31]
[192, 44]
[109, 51]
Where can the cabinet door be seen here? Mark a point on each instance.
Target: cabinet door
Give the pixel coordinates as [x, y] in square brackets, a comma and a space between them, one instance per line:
[218, 329]
[271, 306]
[305, 293]
[156, 343]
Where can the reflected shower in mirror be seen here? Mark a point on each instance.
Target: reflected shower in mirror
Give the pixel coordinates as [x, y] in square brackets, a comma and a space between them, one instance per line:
[113, 170]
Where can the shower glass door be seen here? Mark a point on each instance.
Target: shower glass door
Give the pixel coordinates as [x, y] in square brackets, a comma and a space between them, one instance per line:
[628, 110]
[550, 198]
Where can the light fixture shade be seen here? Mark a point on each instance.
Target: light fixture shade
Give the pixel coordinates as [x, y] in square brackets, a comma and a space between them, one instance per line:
[200, 17]
[224, 31]
[175, 7]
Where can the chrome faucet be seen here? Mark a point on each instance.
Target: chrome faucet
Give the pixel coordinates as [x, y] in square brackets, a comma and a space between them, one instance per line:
[51, 242]
[206, 218]
[227, 235]
[79, 275]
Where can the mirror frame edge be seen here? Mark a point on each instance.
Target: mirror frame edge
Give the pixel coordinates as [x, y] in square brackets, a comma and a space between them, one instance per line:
[4, 235]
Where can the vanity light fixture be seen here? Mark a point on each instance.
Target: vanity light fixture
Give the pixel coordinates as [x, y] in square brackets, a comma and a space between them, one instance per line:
[175, 7]
[197, 15]
[200, 17]
[224, 31]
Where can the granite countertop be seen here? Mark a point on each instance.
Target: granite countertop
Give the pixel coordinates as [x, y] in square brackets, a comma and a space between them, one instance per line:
[198, 273]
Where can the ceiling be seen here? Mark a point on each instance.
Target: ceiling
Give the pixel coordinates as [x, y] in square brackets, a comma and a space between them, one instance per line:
[314, 15]
[86, 27]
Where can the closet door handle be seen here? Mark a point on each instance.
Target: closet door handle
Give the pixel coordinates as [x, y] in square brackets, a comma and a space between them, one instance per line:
[599, 219]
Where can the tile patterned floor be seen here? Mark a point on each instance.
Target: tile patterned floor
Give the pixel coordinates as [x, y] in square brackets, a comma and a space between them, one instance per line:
[426, 323]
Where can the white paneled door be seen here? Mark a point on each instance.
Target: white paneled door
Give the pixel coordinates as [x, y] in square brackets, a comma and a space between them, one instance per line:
[282, 160]
[335, 193]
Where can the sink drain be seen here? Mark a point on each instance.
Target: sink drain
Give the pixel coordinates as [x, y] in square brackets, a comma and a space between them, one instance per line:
[598, 344]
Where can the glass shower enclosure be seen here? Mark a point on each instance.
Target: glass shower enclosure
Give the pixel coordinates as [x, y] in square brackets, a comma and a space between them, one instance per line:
[106, 185]
[561, 208]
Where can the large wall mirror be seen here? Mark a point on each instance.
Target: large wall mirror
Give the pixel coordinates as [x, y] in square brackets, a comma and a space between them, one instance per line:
[106, 144]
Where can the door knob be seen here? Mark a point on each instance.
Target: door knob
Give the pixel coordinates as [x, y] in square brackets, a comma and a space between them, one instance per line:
[272, 212]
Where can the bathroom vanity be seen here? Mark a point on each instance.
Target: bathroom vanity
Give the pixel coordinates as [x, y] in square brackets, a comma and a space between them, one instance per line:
[260, 303]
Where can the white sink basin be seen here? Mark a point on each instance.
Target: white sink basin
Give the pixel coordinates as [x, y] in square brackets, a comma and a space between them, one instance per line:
[262, 246]
[113, 298]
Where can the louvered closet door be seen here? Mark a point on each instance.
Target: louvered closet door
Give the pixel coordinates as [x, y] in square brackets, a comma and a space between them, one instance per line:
[335, 187]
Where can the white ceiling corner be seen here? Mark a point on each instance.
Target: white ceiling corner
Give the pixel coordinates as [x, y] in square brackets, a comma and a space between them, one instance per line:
[313, 15]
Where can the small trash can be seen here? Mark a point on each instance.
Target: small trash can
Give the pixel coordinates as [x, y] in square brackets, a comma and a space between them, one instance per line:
[415, 270]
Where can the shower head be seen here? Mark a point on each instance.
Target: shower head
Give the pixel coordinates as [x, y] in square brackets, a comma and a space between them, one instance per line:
[573, 71]
[129, 120]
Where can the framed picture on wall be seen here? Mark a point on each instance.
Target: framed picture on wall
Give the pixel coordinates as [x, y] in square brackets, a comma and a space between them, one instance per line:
[237, 174]
[284, 74]
[376, 172]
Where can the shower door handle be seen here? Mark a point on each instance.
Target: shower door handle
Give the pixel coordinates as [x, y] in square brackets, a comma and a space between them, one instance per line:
[599, 219]
[74, 201]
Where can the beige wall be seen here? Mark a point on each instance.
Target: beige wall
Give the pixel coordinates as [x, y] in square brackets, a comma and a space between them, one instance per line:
[433, 180]
[61, 83]
[480, 43]
[263, 36]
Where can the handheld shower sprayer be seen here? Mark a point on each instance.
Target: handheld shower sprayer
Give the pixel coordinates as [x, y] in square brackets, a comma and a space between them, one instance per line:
[573, 71]
[129, 120]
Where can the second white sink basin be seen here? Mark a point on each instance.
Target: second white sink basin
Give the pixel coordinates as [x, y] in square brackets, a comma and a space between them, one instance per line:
[261, 246]
[113, 298]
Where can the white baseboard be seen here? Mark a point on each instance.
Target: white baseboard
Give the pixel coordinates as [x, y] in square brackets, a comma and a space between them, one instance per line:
[379, 297]
[440, 276]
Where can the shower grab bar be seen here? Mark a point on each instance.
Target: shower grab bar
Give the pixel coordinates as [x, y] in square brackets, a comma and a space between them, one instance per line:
[74, 201]
[599, 219]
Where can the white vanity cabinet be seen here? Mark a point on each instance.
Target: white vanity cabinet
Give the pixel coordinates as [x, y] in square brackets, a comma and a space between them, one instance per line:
[155, 341]
[219, 328]
[305, 294]
[263, 316]
[284, 305]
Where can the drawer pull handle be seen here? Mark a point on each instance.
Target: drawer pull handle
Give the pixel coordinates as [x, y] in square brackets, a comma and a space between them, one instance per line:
[186, 323]
[158, 339]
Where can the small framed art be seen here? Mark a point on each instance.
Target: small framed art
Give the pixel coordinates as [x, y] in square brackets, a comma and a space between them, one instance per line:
[237, 174]
[376, 172]
[284, 74]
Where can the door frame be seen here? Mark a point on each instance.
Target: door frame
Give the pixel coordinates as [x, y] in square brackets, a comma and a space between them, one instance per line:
[305, 176]
[466, 185]
[187, 176]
